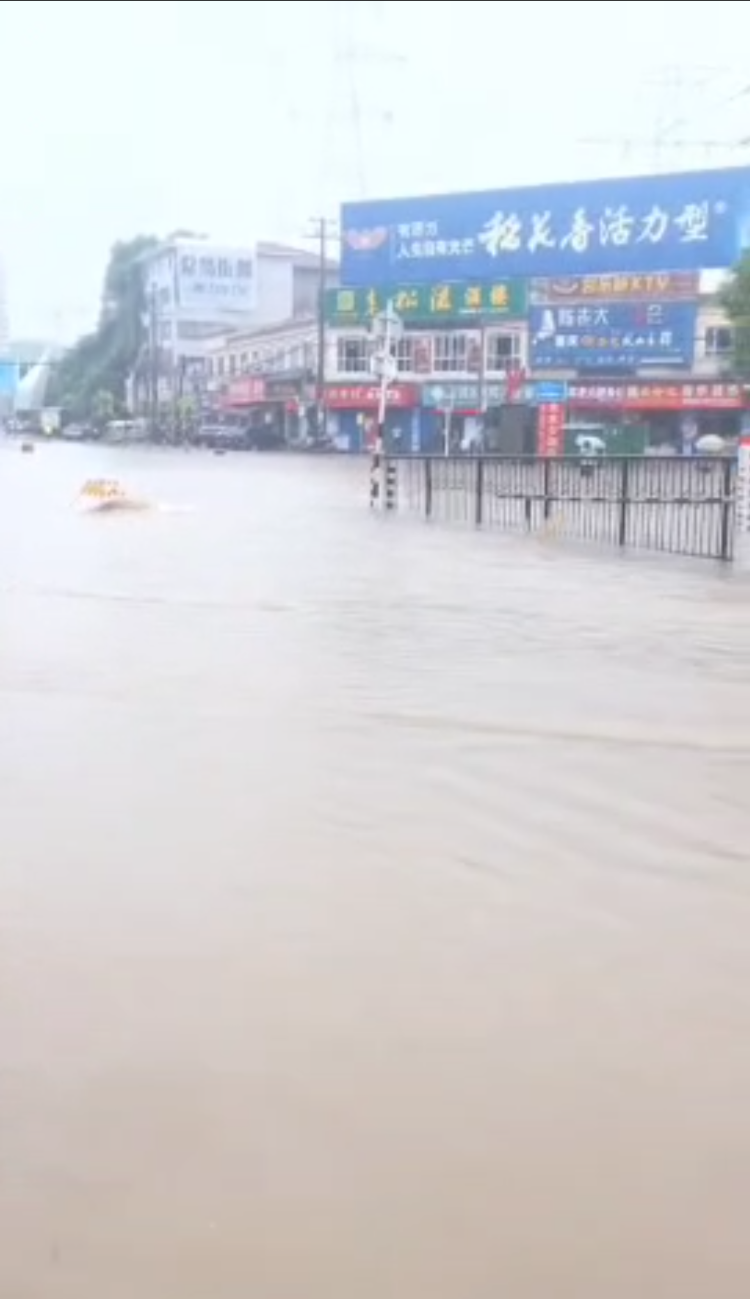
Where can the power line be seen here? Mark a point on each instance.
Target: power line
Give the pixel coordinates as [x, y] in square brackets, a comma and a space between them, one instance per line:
[324, 231]
[675, 109]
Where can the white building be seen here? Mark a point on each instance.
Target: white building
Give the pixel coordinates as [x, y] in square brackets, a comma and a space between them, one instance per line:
[4, 313]
[197, 290]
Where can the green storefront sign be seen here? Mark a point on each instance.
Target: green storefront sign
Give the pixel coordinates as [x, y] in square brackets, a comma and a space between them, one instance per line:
[428, 304]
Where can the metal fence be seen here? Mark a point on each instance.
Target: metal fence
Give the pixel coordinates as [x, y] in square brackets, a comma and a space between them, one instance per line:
[681, 505]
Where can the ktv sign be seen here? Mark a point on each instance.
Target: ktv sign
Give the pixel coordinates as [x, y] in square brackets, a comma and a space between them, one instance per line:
[215, 281]
[687, 221]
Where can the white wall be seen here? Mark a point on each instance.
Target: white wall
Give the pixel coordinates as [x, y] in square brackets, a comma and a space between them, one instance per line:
[275, 301]
[4, 320]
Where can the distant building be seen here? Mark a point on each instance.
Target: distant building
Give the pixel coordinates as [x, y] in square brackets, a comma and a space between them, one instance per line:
[4, 314]
[266, 375]
[34, 361]
[197, 290]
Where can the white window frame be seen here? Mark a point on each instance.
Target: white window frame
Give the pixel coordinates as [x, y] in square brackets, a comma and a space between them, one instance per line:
[404, 353]
[711, 342]
[451, 352]
[353, 354]
[513, 360]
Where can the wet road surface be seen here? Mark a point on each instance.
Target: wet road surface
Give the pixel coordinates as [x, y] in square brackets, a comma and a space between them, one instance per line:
[374, 900]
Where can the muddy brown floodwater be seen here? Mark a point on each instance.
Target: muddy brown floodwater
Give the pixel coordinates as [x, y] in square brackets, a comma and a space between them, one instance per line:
[374, 900]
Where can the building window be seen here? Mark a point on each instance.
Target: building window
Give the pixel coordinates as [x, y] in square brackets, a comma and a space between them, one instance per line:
[353, 356]
[718, 340]
[451, 353]
[405, 355]
[503, 353]
[232, 364]
[243, 362]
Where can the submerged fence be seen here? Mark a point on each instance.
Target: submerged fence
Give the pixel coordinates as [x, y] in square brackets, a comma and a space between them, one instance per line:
[681, 505]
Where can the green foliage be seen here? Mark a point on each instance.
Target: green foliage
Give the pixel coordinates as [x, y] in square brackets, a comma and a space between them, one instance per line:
[103, 407]
[735, 300]
[90, 379]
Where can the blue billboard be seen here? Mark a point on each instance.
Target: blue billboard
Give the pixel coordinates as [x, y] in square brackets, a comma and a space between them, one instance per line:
[616, 336]
[682, 222]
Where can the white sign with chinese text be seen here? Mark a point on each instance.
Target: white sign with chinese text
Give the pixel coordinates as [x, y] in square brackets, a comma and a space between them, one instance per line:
[216, 281]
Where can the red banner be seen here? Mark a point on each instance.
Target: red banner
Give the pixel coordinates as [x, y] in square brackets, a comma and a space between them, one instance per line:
[246, 391]
[551, 434]
[366, 396]
[657, 396]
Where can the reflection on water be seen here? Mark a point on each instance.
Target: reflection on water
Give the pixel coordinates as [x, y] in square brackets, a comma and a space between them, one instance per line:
[374, 900]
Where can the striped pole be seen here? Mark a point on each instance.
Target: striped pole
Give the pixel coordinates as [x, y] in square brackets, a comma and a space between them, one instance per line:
[391, 485]
[376, 469]
[387, 324]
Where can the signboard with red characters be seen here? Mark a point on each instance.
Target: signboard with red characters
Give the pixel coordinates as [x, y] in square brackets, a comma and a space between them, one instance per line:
[551, 427]
[657, 396]
[366, 396]
[246, 391]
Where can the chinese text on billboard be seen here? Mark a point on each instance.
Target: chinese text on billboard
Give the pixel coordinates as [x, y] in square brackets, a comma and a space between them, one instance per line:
[612, 336]
[426, 303]
[682, 222]
[216, 279]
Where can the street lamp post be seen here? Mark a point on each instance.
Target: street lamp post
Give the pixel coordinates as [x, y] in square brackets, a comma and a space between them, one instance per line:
[387, 328]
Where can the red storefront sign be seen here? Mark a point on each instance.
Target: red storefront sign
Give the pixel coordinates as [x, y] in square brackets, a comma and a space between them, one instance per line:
[366, 396]
[552, 429]
[657, 396]
[246, 391]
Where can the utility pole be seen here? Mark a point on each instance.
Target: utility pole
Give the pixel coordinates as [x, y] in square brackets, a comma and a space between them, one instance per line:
[153, 358]
[322, 231]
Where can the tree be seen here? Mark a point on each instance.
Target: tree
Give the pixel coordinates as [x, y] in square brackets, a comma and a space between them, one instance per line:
[103, 407]
[101, 362]
[735, 300]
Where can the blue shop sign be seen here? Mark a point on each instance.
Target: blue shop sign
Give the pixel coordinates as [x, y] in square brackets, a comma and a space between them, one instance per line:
[685, 222]
[614, 336]
[549, 392]
[463, 396]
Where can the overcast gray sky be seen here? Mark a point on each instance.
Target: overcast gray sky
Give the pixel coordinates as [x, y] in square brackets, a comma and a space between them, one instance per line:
[243, 119]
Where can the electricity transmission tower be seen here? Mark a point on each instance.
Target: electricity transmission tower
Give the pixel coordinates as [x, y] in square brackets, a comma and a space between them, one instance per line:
[680, 102]
[360, 117]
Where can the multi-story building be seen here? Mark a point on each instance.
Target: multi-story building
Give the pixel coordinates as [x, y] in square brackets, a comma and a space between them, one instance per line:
[456, 374]
[608, 315]
[268, 375]
[197, 290]
[462, 350]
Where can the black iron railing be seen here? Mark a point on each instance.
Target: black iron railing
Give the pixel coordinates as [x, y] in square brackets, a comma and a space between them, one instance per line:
[683, 505]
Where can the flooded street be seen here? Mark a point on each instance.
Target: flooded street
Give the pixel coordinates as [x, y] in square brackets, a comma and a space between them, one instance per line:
[374, 900]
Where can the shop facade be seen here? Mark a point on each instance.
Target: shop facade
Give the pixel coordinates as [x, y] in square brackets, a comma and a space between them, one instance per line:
[463, 416]
[352, 416]
[637, 417]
